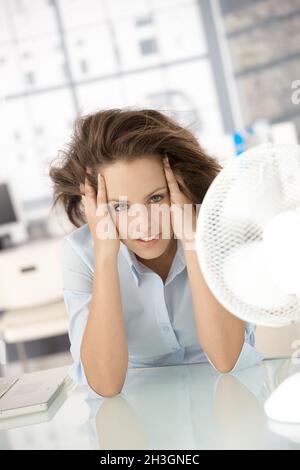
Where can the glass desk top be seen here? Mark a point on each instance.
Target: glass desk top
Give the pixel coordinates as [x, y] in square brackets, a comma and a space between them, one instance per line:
[188, 406]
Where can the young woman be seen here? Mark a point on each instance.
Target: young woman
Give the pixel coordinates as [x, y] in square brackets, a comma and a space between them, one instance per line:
[132, 301]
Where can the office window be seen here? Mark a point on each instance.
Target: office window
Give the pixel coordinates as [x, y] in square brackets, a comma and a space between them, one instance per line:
[264, 43]
[61, 58]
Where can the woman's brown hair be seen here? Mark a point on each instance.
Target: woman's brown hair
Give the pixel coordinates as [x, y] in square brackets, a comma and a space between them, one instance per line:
[108, 135]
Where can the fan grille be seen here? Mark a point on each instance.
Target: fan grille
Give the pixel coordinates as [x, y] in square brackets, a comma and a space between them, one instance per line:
[248, 192]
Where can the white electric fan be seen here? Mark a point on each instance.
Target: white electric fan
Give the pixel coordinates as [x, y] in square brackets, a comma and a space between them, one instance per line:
[248, 244]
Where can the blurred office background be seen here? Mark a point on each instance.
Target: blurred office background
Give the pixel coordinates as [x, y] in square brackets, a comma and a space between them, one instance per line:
[226, 69]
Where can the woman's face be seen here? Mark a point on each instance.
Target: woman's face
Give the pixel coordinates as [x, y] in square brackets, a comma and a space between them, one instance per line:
[139, 202]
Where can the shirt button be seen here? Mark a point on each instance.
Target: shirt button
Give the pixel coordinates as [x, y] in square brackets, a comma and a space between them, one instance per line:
[166, 328]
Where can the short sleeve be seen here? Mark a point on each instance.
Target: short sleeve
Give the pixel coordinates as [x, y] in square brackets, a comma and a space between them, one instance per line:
[249, 356]
[77, 293]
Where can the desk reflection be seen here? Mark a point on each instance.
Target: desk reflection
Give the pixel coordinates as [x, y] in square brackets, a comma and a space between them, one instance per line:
[186, 407]
[169, 407]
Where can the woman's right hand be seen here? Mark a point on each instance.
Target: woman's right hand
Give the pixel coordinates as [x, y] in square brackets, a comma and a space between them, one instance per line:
[108, 243]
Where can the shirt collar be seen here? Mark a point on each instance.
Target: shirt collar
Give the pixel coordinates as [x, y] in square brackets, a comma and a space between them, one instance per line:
[139, 269]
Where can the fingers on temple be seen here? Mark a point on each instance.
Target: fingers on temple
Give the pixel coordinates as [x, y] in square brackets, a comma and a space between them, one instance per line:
[171, 180]
[90, 195]
[81, 188]
[101, 195]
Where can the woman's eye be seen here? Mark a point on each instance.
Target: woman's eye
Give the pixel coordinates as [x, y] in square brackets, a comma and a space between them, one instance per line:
[157, 198]
[120, 207]
[154, 199]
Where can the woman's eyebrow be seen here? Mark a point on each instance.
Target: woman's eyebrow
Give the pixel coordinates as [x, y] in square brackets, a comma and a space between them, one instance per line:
[146, 197]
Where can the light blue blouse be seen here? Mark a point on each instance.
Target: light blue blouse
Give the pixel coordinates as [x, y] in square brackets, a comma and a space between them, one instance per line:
[159, 317]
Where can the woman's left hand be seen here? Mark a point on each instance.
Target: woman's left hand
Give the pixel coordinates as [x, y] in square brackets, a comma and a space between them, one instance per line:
[183, 212]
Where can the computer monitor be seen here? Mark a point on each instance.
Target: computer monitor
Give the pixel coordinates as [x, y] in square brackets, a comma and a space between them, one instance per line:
[11, 219]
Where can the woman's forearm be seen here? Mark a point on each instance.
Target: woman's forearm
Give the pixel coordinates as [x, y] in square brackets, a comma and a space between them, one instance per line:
[220, 333]
[104, 350]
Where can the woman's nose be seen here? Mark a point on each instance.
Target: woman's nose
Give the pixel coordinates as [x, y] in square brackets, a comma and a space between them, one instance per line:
[149, 226]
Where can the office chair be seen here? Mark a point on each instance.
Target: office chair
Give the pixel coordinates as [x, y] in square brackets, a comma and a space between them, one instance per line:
[31, 294]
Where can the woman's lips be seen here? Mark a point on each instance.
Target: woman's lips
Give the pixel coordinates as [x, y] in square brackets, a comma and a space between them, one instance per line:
[149, 242]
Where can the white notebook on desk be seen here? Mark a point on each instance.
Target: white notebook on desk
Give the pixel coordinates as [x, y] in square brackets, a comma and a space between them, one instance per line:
[31, 392]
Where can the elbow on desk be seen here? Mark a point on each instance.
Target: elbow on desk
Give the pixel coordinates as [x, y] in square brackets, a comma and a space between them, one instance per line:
[224, 366]
[225, 361]
[224, 369]
[105, 392]
[108, 394]
[100, 384]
